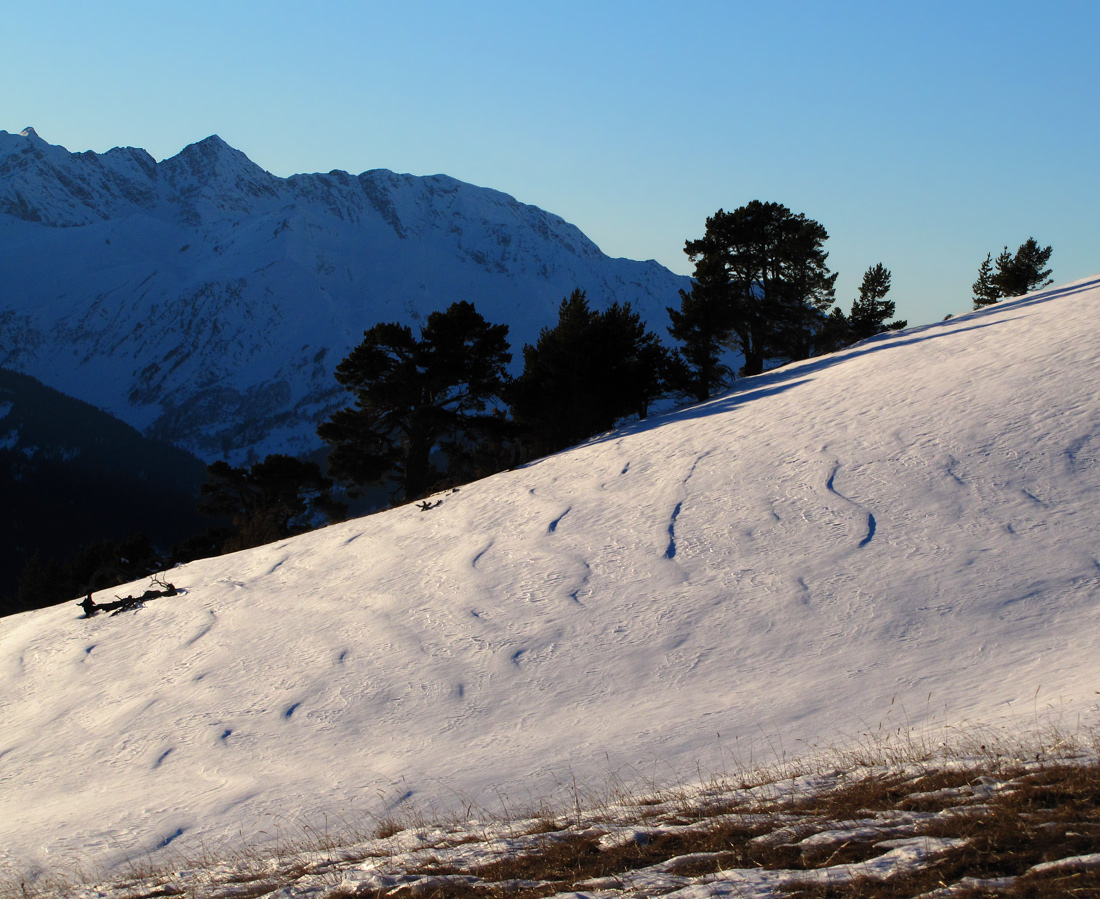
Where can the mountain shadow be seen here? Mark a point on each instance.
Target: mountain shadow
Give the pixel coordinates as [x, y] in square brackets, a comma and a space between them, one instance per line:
[72, 475]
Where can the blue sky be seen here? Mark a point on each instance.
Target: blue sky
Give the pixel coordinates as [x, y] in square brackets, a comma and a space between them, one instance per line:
[920, 135]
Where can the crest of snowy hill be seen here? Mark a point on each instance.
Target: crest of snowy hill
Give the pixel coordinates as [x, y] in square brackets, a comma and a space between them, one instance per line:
[206, 302]
[900, 535]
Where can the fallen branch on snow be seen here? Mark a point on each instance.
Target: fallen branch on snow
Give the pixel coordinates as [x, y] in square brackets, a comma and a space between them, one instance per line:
[127, 603]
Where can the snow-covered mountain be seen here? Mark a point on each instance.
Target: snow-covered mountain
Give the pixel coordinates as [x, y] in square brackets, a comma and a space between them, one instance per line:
[206, 302]
[900, 535]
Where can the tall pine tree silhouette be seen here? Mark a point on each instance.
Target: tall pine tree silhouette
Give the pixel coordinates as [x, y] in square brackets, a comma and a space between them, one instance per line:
[585, 374]
[871, 309]
[762, 279]
[413, 395]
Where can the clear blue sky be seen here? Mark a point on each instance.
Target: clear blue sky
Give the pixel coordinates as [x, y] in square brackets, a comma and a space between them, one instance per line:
[921, 135]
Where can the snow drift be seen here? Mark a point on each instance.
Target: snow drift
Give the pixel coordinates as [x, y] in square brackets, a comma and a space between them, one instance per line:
[900, 533]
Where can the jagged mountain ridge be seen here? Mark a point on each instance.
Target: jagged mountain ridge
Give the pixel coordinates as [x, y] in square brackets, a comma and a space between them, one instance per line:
[206, 301]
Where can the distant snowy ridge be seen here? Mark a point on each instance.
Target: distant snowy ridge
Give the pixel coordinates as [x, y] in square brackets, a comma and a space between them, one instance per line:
[206, 302]
[899, 535]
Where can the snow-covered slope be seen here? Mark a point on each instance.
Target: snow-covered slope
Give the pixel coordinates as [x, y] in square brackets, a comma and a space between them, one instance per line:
[901, 533]
[207, 302]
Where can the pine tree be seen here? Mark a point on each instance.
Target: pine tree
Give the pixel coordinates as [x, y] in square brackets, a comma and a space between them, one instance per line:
[986, 291]
[632, 367]
[807, 288]
[703, 326]
[270, 500]
[1003, 264]
[835, 334]
[871, 309]
[415, 396]
[550, 398]
[1016, 273]
[764, 269]
[1023, 272]
[591, 370]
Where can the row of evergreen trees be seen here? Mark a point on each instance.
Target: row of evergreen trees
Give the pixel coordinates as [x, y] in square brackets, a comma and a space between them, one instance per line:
[762, 287]
[1012, 274]
[438, 408]
[441, 409]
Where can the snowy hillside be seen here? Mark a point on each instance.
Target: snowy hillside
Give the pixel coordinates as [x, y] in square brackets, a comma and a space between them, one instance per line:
[206, 302]
[898, 534]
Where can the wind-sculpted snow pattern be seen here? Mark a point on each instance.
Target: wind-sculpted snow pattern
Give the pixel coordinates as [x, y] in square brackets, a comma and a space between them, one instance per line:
[872, 526]
[670, 550]
[901, 534]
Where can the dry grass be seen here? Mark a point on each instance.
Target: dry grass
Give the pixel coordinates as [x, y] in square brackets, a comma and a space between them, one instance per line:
[1039, 814]
[1007, 819]
[998, 817]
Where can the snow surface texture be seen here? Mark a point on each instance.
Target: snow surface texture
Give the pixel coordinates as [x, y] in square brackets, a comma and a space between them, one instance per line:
[900, 533]
[207, 302]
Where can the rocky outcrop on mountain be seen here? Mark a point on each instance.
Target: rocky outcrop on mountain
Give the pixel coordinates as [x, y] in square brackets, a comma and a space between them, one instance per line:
[206, 301]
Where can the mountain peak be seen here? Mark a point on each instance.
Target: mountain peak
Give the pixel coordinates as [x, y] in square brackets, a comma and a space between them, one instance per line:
[226, 174]
[209, 147]
[29, 132]
[214, 140]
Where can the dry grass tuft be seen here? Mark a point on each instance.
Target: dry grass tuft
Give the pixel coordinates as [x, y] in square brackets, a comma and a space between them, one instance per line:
[1014, 831]
[1005, 820]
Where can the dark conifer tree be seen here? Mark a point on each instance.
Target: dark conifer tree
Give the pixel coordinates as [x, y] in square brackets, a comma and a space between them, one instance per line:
[703, 325]
[871, 309]
[765, 268]
[414, 396]
[549, 400]
[270, 500]
[632, 365]
[1024, 271]
[835, 334]
[1003, 277]
[585, 374]
[986, 291]
[806, 287]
